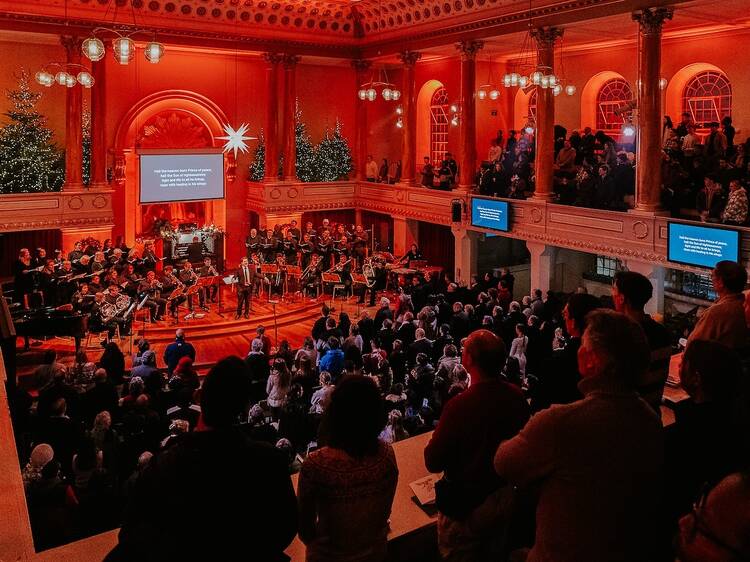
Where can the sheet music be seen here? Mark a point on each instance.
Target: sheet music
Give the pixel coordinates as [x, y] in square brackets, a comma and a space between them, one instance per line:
[424, 488]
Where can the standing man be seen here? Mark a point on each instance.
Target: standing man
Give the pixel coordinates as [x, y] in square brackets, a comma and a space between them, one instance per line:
[371, 169]
[178, 349]
[245, 279]
[473, 500]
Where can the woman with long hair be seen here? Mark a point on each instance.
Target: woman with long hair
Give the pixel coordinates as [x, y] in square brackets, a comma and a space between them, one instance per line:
[278, 386]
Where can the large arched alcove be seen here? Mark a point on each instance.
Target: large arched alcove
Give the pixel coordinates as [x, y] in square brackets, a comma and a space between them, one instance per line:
[677, 83]
[171, 119]
[590, 95]
[521, 107]
[424, 117]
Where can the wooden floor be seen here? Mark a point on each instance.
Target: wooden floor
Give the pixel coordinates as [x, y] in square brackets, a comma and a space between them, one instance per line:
[215, 336]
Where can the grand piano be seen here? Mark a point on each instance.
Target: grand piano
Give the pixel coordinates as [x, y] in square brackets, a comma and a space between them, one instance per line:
[39, 323]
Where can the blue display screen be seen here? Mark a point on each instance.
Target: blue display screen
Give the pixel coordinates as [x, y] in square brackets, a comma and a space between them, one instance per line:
[489, 213]
[702, 246]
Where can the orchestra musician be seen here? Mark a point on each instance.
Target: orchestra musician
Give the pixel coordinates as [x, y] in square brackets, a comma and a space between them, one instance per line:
[97, 321]
[312, 275]
[170, 282]
[414, 253]
[83, 299]
[129, 280]
[359, 244]
[195, 250]
[208, 270]
[245, 276]
[344, 269]
[95, 285]
[290, 248]
[376, 275]
[278, 281]
[150, 286]
[149, 258]
[118, 306]
[188, 277]
[253, 242]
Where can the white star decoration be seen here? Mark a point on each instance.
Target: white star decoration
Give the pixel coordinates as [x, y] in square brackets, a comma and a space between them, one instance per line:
[236, 138]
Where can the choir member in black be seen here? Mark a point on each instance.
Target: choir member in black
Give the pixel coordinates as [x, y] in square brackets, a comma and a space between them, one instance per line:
[309, 230]
[311, 276]
[83, 265]
[270, 247]
[326, 225]
[76, 254]
[121, 302]
[245, 276]
[149, 258]
[341, 246]
[341, 231]
[278, 279]
[40, 259]
[151, 287]
[170, 282]
[188, 277]
[83, 299]
[290, 248]
[129, 280]
[359, 244]
[95, 284]
[112, 277]
[413, 254]
[23, 280]
[278, 233]
[294, 229]
[58, 257]
[46, 283]
[107, 248]
[208, 270]
[117, 259]
[99, 263]
[253, 242]
[307, 249]
[344, 269]
[65, 284]
[325, 248]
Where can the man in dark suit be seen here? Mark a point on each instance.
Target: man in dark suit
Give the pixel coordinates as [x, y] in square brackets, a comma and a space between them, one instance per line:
[245, 278]
[420, 345]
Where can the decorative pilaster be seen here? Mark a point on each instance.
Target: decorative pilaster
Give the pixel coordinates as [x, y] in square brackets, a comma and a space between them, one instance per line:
[545, 113]
[648, 142]
[409, 105]
[361, 67]
[271, 130]
[542, 266]
[290, 100]
[73, 121]
[466, 245]
[98, 125]
[467, 156]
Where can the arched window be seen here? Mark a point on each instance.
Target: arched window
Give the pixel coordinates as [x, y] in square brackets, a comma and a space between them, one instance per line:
[613, 95]
[708, 97]
[439, 125]
[532, 105]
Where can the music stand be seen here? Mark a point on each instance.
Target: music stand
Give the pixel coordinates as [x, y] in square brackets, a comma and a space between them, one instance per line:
[125, 317]
[203, 283]
[176, 293]
[137, 309]
[275, 325]
[293, 272]
[192, 290]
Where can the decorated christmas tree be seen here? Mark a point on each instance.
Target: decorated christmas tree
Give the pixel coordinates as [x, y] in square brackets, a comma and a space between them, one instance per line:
[29, 160]
[86, 147]
[305, 164]
[258, 165]
[333, 158]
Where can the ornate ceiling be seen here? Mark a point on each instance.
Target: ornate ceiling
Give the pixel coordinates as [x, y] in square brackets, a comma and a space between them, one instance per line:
[326, 27]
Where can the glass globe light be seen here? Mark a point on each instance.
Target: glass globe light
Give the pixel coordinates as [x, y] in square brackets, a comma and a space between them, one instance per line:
[506, 80]
[523, 81]
[552, 80]
[400, 123]
[557, 89]
[399, 110]
[93, 49]
[536, 77]
[124, 49]
[454, 108]
[482, 94]
[362, 94]
[70, 80]
[514, 78]
[85, 79]
[494, 94]
[628, 130]
[570, 89]
[61, 78]
[372, 95]
[395, 95]
[662, 83]
[44, 78]
[154, 52]
[454, 121]
[386, 93]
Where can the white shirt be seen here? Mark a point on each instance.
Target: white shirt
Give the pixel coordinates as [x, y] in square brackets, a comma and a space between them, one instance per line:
[371, 171]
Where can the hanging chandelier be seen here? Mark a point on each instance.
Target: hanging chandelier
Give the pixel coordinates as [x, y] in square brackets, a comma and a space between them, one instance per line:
[527, 72]
[64, 74]
[123, 46]
[488, 90]
[379, 84]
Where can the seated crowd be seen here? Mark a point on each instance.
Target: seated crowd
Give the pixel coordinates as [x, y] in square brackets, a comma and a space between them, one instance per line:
[704, 173]
[546, 425]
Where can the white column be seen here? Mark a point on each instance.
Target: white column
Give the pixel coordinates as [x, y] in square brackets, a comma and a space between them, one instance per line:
[542, 265]
[405, 233]
[655, 274]
[466, 245]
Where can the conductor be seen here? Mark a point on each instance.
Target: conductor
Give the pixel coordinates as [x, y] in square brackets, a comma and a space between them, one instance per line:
[245, 279]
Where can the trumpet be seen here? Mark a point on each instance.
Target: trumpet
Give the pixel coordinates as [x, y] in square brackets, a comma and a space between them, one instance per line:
[340, 266]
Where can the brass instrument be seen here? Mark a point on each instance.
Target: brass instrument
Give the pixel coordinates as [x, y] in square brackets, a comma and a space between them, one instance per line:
[340, 266]
[369, 273]
[109, 311]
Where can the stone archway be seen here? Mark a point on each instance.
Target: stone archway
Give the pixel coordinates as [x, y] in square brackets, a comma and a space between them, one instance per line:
[172, 119]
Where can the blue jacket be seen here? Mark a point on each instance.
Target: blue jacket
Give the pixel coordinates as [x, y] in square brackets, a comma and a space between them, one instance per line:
[333, 362]
[176, 351]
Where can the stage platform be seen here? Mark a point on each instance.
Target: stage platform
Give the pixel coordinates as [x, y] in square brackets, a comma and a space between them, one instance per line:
[214, 336]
